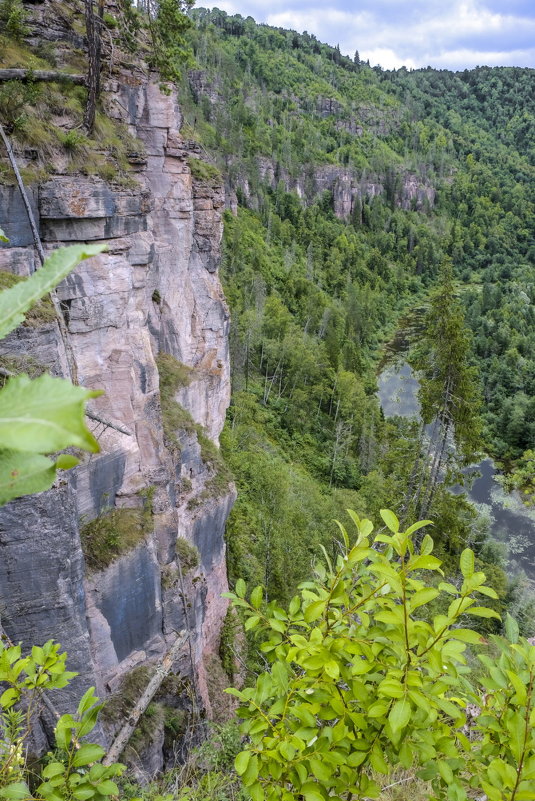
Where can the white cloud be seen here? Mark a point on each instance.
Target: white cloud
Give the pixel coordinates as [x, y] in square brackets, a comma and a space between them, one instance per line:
[387, 59]
[432, 33]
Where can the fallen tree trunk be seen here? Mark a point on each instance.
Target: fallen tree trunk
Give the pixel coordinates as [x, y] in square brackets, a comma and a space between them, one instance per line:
[162, 670]
[41, 75]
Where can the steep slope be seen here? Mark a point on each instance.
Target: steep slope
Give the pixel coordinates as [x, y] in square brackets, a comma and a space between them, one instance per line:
[351, 186]
[147, 323]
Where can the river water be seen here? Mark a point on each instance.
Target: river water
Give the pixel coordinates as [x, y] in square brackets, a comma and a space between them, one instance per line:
[509, 521]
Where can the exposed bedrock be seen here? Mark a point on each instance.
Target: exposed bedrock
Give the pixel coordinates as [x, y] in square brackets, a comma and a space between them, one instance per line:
[155, 289]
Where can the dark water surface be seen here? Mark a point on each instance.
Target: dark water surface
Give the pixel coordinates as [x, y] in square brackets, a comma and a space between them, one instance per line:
[509, 520]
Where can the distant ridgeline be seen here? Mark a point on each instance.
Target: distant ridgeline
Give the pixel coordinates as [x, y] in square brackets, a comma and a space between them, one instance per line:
[349, 187]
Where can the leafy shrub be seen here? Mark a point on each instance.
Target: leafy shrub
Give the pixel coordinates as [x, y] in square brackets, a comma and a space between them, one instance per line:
[13, 19]
[74, 769]
[364, 681]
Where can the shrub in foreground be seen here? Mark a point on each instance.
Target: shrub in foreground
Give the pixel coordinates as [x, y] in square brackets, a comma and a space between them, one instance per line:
[365, 677]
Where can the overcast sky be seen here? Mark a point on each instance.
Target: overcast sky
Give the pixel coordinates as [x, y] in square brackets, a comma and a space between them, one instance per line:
[455, 34]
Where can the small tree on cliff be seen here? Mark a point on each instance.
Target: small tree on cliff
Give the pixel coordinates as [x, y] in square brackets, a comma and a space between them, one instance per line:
[449, 392]
[94, 20]
[166, 22]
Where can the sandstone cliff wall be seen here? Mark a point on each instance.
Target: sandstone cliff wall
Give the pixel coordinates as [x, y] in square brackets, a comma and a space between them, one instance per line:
[155, 289]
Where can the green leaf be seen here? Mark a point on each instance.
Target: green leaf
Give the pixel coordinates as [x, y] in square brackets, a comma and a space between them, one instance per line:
[53, 769]
[314, 611]
[378, 761]
[15, 301]
[427, 543]
[44, 415]
[482, 611]
[518, 684]
[466, 563]
[15, 792]
[9, 697]
[400, 714]
[87, 700]
[89, 720]
[489, 592]
[311, 792]
[241, 762]
[321, 771]
[451, 589]
[511, 629]
[422, 597]
[445, 771]
[466, 635]
[88, 753]
[251, 773]
[84, 793]
[107, 787]
[240, 588]
[427, 539]
[25, 473]
[251, 622]
[390, 520]
[3, 237]
[257, 597]
[425, 562]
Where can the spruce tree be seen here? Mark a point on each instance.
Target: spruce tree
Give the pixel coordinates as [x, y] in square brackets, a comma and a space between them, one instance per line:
[449, 390]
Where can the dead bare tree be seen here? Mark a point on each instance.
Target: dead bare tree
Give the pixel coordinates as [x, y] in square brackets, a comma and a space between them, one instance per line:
[93, 28]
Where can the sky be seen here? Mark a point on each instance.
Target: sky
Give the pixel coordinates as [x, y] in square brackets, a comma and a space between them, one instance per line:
[451, 34]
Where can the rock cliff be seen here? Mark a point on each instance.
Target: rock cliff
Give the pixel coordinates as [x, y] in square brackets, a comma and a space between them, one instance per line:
[154, 291]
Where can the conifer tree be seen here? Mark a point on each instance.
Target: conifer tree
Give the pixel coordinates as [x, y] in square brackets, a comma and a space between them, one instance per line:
[449, 392]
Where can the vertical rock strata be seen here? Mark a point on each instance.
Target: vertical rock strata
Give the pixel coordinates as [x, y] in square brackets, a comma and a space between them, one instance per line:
[155, 289]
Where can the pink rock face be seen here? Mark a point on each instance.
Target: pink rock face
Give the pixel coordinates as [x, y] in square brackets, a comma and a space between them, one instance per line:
[155, 289]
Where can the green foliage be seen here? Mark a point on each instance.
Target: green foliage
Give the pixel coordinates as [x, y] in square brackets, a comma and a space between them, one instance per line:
[74, 771]
[206, 775]
[365, 679]
[118, 708]
[173, 376]
[188, 555]
[170, 50]
[41, 313]
[18, 299]
[114, 532]
[522, 478]
[13, 18]
[448, 382]
[46, 414]
[203, 170]
[74, 140]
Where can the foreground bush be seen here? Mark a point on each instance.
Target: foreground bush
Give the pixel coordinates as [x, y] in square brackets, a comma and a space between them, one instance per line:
[368, 673]
[74, 771]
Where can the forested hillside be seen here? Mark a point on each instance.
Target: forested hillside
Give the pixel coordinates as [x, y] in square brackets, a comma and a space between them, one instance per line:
[353, 187]
[356, 221]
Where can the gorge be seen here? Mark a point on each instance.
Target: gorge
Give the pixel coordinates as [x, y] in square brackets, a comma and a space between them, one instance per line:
[270, 220]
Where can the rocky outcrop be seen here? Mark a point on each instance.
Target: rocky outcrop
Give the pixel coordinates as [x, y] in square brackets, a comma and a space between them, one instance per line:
[156, 289]
[348, 187]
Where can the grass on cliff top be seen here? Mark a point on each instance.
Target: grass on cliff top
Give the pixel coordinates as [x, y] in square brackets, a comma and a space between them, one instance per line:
[202, 170]
[45, 121]
[114, 533]
[42, 313]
